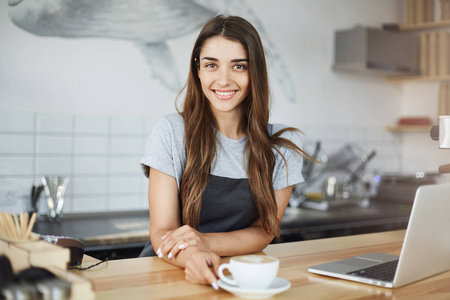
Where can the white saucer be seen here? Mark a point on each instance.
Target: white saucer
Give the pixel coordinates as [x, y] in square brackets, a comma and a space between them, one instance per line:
[278, 285]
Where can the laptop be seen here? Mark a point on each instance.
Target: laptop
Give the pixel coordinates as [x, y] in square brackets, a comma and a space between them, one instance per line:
[425, 251]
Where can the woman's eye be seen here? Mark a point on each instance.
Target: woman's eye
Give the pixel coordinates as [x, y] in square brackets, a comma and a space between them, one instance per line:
[210, 65]
[240, 67]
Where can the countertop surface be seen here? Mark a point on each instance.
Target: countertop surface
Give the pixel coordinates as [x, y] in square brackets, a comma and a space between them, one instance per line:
[100, 229]
[127, 228]
[150, 277]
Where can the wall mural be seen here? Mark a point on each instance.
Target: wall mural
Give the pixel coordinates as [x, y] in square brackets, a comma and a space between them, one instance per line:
[147, 23]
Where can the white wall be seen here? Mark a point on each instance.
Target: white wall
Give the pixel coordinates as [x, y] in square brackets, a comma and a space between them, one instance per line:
[111, 77]
[304, 32]
[42, 76]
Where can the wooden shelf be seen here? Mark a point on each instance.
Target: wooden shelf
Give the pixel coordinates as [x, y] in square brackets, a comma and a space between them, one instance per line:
[424, 26]
[418, 78]
[409, 128]
[417, 27]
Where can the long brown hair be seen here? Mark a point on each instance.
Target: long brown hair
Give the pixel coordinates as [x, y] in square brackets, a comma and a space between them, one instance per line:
[200, 135]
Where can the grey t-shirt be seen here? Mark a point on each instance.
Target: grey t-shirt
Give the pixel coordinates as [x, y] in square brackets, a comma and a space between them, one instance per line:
[165, 152]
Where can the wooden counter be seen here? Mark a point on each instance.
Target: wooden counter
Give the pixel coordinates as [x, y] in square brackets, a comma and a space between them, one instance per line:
[151, 278]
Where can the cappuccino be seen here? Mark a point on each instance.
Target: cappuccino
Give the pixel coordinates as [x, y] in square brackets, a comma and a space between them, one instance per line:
[255, 259]
[250, 271]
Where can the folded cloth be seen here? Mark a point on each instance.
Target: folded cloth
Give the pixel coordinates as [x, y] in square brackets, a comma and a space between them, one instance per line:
[414, 121]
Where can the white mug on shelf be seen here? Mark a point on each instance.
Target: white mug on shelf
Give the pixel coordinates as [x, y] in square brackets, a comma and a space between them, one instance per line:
[444, 132]
[251, 271]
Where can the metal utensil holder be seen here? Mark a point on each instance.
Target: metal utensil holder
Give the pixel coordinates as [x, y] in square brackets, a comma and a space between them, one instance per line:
[55, 188]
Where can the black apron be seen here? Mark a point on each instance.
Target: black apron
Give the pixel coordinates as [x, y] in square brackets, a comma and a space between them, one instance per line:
[227, 205]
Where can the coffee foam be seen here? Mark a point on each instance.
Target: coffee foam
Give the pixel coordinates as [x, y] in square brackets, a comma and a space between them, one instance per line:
[255, 259]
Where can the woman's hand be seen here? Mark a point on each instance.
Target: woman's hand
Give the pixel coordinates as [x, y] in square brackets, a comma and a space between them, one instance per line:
[197, 269]
[181, 238]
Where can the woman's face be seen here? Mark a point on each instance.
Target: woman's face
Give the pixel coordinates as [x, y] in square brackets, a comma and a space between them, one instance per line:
[224, 74]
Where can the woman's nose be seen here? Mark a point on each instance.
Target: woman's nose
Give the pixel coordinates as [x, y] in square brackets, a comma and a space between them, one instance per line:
[224, 77]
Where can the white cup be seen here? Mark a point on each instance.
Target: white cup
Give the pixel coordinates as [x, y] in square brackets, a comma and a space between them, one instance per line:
[444, 132]
[251, 271]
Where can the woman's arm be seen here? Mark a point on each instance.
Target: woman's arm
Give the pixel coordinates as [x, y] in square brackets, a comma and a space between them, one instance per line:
[164, 210]
[163, 205]
[165, 216]
[244, 241]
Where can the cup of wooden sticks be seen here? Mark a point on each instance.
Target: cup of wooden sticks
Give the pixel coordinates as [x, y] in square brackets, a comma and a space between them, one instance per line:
[17, 228]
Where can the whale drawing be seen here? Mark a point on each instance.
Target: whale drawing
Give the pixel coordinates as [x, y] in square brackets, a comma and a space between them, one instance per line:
[147, 23]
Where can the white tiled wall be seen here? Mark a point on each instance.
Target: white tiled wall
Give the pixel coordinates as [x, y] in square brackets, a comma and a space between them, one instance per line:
[100, 154]
[333, 138]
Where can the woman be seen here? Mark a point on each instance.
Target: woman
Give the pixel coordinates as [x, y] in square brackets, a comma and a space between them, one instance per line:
[220, 176]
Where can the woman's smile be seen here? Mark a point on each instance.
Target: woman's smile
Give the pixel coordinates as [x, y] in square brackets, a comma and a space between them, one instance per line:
[224, 95]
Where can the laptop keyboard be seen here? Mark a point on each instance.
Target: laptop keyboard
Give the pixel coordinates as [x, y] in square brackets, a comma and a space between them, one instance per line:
[384, 271]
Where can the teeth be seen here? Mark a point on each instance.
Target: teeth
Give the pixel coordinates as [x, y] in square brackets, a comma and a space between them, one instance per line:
[225, 93]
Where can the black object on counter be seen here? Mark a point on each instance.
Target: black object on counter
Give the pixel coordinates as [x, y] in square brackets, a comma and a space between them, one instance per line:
[23, 284]
[33, 275]
[35, 194]
[76, 248]
[6, 271]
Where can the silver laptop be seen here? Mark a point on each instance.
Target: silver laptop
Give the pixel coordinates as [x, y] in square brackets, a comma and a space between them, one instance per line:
[425, 251]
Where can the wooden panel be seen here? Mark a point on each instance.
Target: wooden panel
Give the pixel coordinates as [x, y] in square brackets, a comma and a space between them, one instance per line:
[443, 53]
[424, 26]
[423, 53]
[418, 78]
[429, 10]
[410, 128]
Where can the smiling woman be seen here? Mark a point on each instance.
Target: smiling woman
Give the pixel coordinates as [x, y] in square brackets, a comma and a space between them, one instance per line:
[220, 176]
